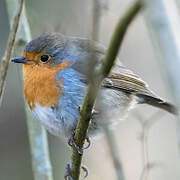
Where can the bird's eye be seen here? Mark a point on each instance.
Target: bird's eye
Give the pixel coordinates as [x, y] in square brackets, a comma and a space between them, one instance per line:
[45, 58]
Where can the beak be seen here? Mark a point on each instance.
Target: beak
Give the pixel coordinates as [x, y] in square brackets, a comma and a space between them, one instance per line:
[19, 60]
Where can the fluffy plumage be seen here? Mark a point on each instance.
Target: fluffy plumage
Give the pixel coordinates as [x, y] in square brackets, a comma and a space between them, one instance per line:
[55, 90]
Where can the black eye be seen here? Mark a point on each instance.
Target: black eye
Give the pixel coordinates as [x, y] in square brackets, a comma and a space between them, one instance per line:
[45, 58]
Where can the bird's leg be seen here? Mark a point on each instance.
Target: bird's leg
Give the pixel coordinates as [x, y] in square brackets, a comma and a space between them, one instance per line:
[72, 143]
[68, 176]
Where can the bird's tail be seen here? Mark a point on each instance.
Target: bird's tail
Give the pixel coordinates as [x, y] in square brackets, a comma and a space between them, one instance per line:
[159, 103]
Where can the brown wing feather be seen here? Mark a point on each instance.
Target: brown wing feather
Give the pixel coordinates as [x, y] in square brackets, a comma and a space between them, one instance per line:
[124, 79]
[120, 78]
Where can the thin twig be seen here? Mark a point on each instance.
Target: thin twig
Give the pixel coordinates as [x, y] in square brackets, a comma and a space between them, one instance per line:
[41, 164]
[85, 112]
[9, 48]
[146, 125]
[113, 148]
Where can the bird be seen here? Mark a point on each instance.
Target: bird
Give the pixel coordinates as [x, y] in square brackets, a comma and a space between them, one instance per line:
[57, 70]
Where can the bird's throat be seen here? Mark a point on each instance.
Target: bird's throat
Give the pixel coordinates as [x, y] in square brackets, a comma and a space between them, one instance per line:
[40, 85]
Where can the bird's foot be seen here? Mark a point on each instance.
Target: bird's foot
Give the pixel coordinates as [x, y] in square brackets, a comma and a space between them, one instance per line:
[87, 139]
[94, 112]
[68, 176]
[85, 169]
[71, 143]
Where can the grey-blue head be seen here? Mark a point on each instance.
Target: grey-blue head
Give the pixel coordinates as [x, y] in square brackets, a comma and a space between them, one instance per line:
[51, 49]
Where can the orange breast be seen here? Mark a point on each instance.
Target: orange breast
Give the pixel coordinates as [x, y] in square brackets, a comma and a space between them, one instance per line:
[40, 86]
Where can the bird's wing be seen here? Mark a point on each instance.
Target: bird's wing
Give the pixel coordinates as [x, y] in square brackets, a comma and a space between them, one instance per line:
[91, 54]
[124, 79]
[120, 78]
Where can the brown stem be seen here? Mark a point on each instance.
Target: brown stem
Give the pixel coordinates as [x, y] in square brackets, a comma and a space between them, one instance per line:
[9, 49]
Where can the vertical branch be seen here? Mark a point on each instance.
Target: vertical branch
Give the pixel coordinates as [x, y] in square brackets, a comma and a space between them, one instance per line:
[86, 110]
[37, 135]
[10, 46]
[113, 149]
[163, 24]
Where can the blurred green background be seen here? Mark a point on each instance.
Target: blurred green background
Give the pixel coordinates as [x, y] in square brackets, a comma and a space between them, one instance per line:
[74, 18]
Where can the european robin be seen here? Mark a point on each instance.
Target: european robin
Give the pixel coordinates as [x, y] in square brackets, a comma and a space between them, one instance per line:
[56, 70]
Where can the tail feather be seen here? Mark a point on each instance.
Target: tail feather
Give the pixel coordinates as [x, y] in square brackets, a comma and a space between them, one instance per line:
[159, 103]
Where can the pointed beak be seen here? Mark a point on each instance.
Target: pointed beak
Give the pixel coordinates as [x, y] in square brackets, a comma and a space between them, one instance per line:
[19, 60]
